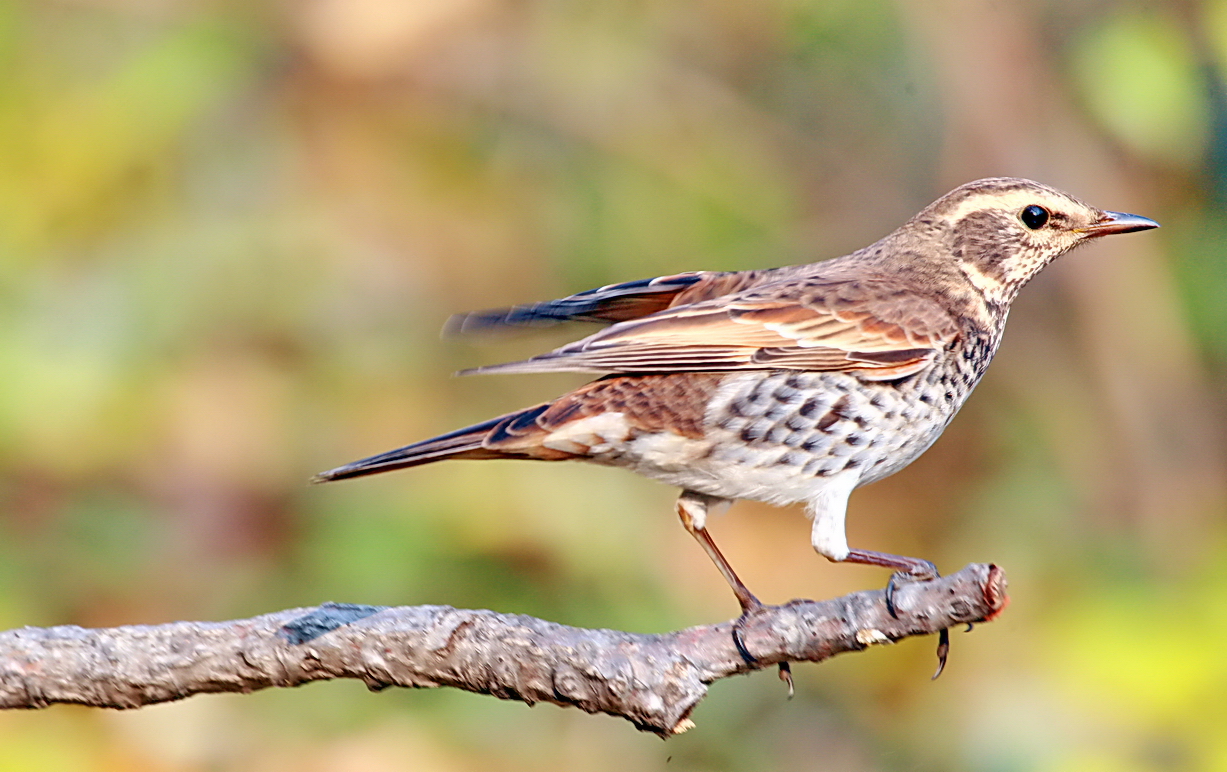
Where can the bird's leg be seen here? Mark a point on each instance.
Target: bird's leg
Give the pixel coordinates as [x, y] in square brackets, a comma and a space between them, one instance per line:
[829, 510]
[692, 508]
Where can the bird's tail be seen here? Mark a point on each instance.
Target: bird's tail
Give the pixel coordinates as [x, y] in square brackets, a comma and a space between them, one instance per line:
[462, 443]
[515, 435]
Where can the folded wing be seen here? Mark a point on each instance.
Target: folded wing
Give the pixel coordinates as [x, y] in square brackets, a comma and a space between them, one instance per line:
[858, 326]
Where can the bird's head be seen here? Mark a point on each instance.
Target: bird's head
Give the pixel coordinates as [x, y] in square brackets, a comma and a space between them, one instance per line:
[1003, 230]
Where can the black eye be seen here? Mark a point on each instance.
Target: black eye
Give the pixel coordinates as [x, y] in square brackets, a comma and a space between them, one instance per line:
[1034, 217]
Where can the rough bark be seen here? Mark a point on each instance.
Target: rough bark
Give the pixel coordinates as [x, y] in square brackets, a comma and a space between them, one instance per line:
[653, 681]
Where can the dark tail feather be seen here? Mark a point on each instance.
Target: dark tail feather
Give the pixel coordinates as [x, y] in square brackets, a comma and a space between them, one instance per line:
[462, 443]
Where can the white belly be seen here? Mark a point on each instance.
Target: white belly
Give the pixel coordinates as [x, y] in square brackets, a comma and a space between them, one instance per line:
[781, 438]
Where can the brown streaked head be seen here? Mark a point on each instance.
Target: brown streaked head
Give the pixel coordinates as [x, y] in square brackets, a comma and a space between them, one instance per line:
[1003, 230]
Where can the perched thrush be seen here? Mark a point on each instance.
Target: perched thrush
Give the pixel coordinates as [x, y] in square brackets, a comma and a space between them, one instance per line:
[784, 385]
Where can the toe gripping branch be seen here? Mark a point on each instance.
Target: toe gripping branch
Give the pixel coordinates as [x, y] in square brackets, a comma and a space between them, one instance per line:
[812, 631]
[927, 572]
[906, 570]
[749, 612]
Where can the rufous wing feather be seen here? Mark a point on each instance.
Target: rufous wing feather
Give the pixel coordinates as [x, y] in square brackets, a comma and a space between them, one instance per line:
[858, 326]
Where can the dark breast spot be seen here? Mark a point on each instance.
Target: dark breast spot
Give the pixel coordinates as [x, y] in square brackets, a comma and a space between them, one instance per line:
[837, 413]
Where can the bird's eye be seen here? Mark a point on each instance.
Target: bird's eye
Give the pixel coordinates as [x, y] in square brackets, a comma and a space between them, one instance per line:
[1034, 217]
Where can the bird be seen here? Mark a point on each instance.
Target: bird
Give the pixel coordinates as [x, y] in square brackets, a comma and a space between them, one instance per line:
[785, 385]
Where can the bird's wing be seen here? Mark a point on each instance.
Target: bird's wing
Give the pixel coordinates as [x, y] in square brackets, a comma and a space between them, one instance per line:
[861, 326]
[611, 303]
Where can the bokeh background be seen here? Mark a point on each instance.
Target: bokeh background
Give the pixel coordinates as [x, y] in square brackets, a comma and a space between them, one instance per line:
[231, 231]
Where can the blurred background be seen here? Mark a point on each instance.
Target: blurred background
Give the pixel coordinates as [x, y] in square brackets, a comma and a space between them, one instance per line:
[231, 231]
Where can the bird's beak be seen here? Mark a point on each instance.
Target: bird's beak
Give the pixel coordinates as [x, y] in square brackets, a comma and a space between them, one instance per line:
[1117, 222]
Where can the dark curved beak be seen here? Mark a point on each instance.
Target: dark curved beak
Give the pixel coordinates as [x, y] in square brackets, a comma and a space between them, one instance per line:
[1117, 222]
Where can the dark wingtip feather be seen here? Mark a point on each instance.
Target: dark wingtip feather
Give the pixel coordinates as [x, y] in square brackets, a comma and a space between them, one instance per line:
[496, 320]
[603, 305]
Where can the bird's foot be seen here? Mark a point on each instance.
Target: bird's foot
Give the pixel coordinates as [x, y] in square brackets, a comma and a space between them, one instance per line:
[906, 570]
[922, 571]
[749, 610]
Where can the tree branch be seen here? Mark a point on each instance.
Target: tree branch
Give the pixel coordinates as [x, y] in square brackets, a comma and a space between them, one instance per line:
[653, 681]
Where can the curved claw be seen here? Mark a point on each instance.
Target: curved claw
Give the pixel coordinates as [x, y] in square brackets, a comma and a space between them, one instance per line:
[750, 607]
[749, 658]
[786, 677]
[943, 651]
[890, 596]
